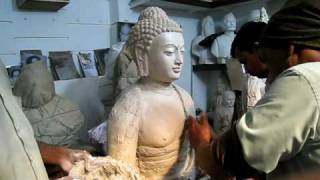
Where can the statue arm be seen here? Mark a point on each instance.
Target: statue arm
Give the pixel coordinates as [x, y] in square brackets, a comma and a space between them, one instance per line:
[123, 131]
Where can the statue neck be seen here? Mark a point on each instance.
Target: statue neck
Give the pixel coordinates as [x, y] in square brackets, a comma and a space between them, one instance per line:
[157, 86]
[229, 32]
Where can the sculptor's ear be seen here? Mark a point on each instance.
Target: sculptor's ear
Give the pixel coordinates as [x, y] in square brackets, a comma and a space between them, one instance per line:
[142, 60]
[293, 58]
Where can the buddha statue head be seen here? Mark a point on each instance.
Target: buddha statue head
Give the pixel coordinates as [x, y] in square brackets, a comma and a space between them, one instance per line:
[207, 26]
[229, 22]
[156, 45]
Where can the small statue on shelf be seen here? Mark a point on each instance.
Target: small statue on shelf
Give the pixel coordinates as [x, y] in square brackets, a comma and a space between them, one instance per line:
[203, 54]
[222, 115]
[222, 44]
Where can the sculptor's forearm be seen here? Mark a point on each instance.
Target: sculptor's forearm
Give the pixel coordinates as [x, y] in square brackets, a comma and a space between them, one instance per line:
[51, 154]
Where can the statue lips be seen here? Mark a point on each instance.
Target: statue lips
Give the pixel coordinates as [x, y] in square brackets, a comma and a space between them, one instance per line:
[177, 69]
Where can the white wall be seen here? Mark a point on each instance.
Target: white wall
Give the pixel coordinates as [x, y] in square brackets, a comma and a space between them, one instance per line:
[81, 25]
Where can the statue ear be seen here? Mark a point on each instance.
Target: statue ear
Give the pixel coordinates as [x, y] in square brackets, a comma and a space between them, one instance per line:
[142, 60]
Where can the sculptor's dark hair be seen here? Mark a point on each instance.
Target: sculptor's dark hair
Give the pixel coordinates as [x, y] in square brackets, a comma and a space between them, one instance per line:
[248, 37]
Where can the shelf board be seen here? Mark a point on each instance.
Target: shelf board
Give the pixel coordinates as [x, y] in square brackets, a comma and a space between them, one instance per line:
[184, 5]
[209, 67]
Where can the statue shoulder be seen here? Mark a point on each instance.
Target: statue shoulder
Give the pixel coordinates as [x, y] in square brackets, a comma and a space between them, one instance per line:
[186, 98]
[129, 101]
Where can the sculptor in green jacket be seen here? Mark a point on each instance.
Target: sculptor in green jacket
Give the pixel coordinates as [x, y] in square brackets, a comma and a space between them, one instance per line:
[280, 136]
[21, 157]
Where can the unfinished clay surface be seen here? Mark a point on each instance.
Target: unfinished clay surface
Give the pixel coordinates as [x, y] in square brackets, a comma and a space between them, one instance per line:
[103, 168]
[54, 119]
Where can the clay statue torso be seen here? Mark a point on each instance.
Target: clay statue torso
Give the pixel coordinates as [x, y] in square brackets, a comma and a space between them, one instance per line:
[146, 125]
[159, 129]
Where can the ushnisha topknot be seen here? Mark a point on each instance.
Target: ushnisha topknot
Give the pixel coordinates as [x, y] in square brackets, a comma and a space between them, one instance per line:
[152, 22]
[152, 12]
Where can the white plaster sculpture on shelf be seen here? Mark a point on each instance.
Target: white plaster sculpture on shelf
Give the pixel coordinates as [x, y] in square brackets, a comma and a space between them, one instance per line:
[222, 116]
[222, 44]
[255, 90]
[54, 119]
[255, 15]
[259, 15]
[146, 127]
[264, 15]
[216, 96]
[203, 54]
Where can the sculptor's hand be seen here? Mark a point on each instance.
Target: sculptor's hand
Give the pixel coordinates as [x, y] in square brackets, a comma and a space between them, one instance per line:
[61, 156]
[200, 132]
[204, 141]
[69, 157]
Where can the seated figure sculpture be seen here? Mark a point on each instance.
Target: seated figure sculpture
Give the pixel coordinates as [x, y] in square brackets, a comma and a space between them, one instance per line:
[203, 54]
[221, 46]
[146, 125]
[54, 119]
[222, 116]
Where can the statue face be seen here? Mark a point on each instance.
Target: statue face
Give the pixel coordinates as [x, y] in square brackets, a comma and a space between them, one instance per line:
[228, 99]
[229, 22]
[208, 26]
[165, 57]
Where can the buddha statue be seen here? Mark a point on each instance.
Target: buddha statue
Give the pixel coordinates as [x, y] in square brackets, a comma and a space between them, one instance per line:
[221, 46]
[203, 54]
[146, 127]
[54, 119]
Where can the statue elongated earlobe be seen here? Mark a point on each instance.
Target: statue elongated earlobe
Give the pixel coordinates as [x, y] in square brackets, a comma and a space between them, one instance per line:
[142, 60]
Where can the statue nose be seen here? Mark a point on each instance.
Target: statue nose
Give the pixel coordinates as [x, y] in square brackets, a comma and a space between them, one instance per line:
[179, 58]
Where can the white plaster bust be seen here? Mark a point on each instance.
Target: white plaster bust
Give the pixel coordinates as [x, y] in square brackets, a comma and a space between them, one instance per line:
[259, 15]
[203, 54]
[222, 44]
[223, 114]
[146, 125]
[255, 15]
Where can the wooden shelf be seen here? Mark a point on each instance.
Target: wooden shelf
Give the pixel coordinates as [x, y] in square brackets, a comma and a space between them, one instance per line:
[207, 3]
[43, 5]
[209, 67]
[184, 5]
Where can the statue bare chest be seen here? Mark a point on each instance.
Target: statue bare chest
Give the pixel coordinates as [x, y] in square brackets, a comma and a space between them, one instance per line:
[163, 120]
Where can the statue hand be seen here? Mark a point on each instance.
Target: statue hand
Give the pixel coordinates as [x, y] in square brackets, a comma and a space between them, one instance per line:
[200, 132]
